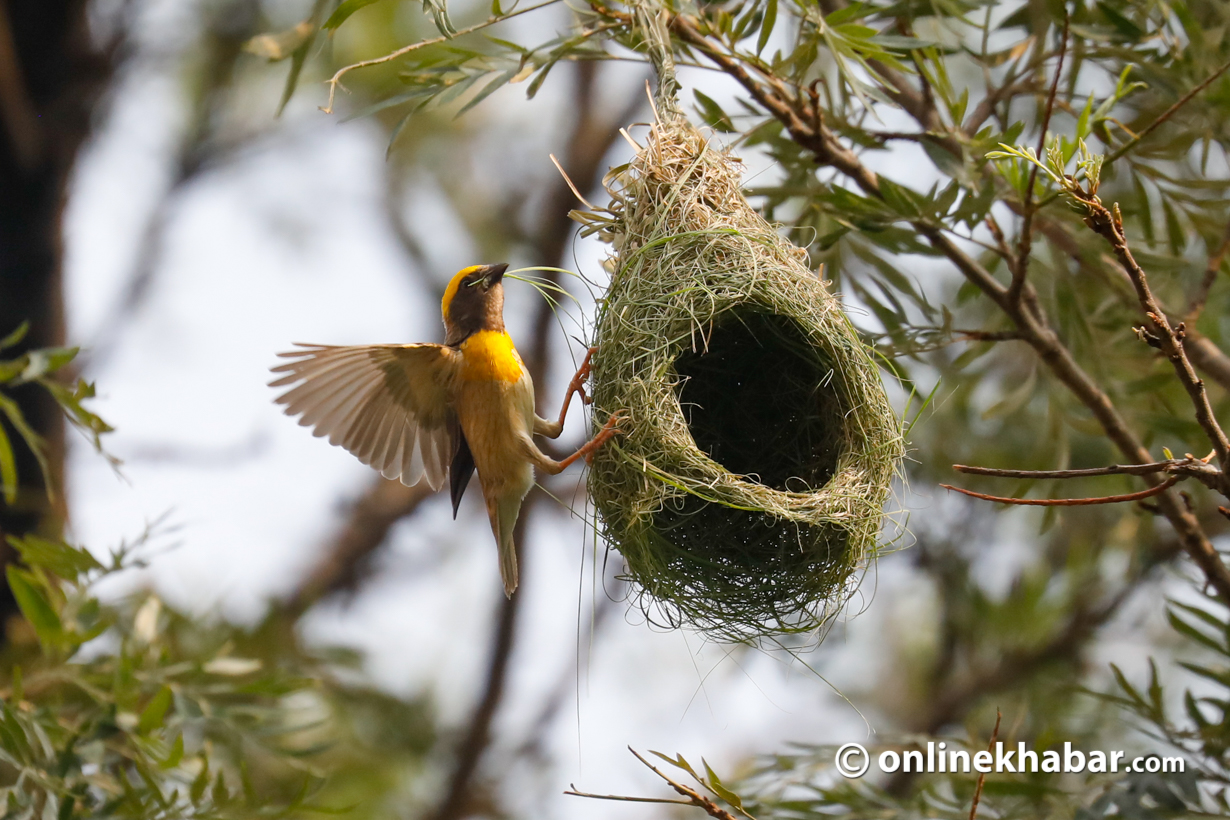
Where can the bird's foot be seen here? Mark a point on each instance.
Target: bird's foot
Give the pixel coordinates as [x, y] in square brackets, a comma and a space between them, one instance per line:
[604, 435]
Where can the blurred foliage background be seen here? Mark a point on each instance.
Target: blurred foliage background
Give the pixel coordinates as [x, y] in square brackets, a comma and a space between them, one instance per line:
[866, 128]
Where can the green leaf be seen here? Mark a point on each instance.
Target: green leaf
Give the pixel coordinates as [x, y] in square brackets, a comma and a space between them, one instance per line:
[438, 9]
[766, 26]
[712, 113]
[854, 11]
[344, 11]
[176, 754]
[1122, 24]
[34, 605]
[1190, 632]
[719, 789]
[47, 360]
[490, 88]
[8, 467]
[197, 790]
[1082, 123]
[60, 559]
[678, 762]
[16, 336]
[155, 711]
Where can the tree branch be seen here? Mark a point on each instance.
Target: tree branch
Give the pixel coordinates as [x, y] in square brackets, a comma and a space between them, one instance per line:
[1071, 502]
[1110, 227]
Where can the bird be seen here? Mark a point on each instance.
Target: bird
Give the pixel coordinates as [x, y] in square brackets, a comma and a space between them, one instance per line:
[417, 411]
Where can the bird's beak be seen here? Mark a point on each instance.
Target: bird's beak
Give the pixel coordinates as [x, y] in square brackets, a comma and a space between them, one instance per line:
[495, 273]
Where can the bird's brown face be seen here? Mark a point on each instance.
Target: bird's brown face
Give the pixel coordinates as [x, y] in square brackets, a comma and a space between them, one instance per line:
[474, 301]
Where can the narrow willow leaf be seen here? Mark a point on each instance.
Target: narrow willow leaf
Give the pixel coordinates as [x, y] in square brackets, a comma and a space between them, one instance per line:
[766, 25]
[16, 336]
[155, 711]
[342, 12]
[34, 605]
[712, 113]
[490, 88]
[8, 468]
[33, 440]
[60, 559]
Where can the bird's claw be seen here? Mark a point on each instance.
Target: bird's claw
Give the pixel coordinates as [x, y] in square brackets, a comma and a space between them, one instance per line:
[607, 432]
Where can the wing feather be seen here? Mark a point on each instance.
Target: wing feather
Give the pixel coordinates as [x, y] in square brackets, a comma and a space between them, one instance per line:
[389, 405]
[332, 406]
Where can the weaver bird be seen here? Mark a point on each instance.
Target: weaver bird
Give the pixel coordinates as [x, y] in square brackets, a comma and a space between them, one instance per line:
[412, 410]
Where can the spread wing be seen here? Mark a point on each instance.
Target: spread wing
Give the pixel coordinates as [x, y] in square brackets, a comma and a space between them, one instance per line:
[386, 404]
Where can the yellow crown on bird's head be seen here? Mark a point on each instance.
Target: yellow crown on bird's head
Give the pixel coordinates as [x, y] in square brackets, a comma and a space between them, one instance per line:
[473, 275]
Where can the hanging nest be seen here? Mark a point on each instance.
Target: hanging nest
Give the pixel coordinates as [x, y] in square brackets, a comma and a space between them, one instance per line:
[746, 493]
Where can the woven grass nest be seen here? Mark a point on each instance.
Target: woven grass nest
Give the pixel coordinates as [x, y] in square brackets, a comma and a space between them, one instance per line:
[747, 492]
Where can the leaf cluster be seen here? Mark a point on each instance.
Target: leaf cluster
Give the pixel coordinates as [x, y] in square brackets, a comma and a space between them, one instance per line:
[40, 367]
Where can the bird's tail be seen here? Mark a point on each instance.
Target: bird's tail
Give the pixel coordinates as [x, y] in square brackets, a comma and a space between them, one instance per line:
[504, 514]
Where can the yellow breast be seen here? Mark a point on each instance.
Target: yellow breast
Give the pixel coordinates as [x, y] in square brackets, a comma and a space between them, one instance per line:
[489, 355]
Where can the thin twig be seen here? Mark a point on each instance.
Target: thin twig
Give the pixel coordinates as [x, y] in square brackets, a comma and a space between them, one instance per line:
[694, 798]
[982, 776]
[1170, 339]
[697, 799]
[1114, 469]
[336, 79]
[989, 335]
[1072, 502]
[572, 792]
[1025, 241]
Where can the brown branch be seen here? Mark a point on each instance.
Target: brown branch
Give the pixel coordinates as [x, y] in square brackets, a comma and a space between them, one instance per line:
[1114, 469]
[694, 798]
[1020, 267]
[982, 776]
[989, 335]
[572, 792]
[1188, 467]
[1110, 227]
[1072, 502]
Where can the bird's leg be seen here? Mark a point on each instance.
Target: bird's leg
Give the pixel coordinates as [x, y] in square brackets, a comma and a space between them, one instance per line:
[553, 467]
[552, 429]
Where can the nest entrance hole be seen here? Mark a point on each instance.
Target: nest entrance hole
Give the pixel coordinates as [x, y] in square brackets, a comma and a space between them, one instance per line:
[759, 400]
